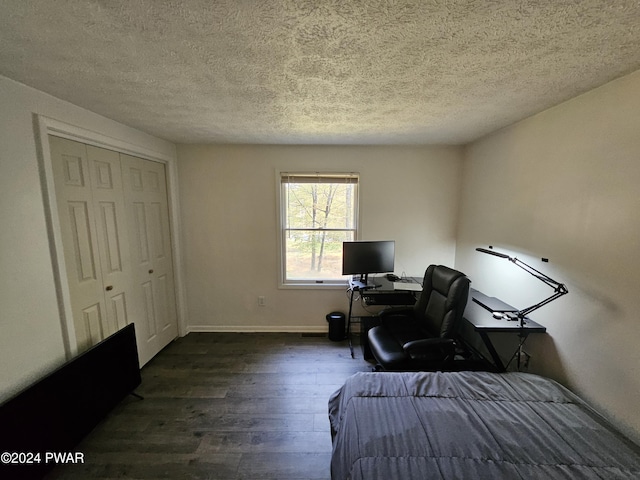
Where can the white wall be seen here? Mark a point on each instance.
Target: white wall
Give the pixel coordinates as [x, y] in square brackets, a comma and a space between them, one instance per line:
[565, 184]
[228, 198]
[562, 184]
[30, 329]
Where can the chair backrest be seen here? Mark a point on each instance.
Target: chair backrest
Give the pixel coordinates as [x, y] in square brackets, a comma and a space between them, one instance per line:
[441, 304]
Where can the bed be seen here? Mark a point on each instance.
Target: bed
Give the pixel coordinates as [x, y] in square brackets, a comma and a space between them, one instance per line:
[475, 425]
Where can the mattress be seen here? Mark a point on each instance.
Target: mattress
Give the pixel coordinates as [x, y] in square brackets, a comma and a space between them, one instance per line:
[475, 425]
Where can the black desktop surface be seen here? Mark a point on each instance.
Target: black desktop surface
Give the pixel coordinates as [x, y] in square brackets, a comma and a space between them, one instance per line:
[381, 291]
[382, 284]
[492, 304]
[479, 312]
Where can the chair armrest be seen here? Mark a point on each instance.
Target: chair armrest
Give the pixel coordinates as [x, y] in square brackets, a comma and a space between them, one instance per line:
[428, 344]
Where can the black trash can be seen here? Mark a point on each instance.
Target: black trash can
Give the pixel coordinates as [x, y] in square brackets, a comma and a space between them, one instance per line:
[336, 326]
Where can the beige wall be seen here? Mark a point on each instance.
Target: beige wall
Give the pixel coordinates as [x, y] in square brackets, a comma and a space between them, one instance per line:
[30, 329]
[565, 184]
[228, 198]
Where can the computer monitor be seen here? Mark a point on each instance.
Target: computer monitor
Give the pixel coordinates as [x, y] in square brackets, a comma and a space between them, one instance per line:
[365, 257]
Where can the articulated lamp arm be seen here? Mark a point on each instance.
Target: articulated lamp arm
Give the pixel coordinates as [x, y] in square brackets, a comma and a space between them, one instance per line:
[560, 289]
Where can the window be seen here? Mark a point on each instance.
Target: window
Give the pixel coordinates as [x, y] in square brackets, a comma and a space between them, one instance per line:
[317, 213]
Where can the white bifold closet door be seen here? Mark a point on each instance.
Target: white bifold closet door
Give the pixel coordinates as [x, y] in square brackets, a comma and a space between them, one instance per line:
[114, 222]
[145, 193]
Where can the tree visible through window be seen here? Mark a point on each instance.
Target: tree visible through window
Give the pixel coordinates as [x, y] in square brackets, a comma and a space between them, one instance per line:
[319, 212]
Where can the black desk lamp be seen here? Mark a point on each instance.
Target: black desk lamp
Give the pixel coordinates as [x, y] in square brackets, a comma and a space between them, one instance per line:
[559, 288]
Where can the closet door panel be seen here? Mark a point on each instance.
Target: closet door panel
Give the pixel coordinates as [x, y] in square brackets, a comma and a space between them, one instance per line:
[164, 294]
[111, 230]
[72, 179]
[108, 218]
[95, 236]
[159, 232]
[79, 223]
[147, 206]
[149, 311]
[119, 309]
[91, 326]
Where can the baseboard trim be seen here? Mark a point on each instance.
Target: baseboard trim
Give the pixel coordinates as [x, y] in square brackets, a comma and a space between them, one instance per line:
[255, 329]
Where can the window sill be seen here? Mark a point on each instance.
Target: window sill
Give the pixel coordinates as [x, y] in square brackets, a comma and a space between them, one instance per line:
[313, 286]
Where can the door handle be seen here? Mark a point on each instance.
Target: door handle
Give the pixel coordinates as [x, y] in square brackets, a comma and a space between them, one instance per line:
[109, 288]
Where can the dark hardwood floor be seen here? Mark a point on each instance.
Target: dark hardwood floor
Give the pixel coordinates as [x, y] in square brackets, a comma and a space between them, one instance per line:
[224, 406]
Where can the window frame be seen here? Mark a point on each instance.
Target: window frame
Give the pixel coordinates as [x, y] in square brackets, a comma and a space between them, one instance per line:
[282, 229]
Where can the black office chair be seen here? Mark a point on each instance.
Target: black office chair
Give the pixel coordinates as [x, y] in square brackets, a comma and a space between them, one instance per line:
[423, 337]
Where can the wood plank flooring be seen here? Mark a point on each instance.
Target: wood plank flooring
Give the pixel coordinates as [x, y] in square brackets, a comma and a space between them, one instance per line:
[224, 406]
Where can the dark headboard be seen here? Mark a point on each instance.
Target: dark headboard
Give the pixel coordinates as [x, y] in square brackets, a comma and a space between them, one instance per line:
[55, 413]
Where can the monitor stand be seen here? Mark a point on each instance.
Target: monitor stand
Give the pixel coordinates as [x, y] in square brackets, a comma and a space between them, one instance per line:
[361, 283]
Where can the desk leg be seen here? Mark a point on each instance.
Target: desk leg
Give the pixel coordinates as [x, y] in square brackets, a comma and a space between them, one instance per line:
[523, 338]
[492, 351]
[349, 323]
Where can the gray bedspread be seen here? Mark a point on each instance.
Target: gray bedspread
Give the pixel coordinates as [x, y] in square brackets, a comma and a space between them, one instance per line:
[473, 425]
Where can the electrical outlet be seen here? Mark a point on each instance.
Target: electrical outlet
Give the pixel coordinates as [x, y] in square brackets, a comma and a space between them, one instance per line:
[262, 300]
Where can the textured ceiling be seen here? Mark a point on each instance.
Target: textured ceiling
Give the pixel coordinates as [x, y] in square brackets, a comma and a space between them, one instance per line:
[317, 71]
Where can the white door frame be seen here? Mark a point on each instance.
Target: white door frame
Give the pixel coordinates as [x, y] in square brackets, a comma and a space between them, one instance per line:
[45, 126]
